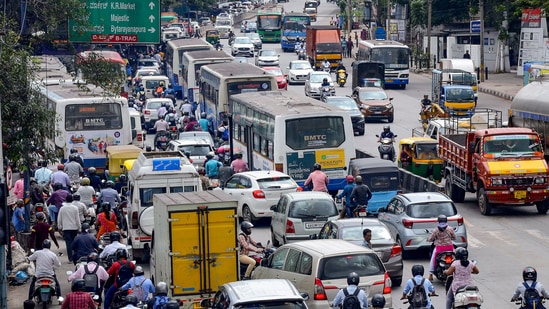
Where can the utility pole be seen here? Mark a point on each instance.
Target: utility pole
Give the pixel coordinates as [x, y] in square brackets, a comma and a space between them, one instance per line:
[481, 12]
[388, 19]
[429, 12]
[349, 17]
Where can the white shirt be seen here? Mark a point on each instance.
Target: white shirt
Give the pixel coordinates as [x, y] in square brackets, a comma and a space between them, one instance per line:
[68, 218]
[111, 249]
[45, 262]
[86, 194]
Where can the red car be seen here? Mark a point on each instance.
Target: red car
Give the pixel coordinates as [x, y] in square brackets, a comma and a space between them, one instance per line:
[281, 78]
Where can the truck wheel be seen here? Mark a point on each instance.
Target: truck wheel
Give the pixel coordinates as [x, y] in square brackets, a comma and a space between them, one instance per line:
[542, 207]
[483, 204]
[247, 214]
[455, 193]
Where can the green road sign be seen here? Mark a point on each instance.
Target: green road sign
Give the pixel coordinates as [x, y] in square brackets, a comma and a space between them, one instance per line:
[124, 21]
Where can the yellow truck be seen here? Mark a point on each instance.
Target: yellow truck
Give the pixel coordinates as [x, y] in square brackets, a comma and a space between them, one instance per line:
[194, 247]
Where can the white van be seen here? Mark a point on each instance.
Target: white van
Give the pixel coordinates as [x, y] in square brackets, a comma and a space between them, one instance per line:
[138, 134]
[150, 83]
[154, 173]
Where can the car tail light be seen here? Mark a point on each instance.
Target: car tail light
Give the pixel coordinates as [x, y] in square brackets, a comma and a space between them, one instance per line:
[319, 293]
[290, 228]
[396, 250]
[386, 283]
[147, 112]
[299, 189]
[460, 221]
[407, 223]
[135, 221]
[140, 137]
[258, 194]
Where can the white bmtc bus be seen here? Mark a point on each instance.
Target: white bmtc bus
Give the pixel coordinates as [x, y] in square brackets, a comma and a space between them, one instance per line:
[277, 131]
[394, 55]
[88, 119]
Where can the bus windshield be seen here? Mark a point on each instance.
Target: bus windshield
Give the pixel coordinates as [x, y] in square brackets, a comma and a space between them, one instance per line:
[393, 58]
[93, 117]
[269, 22]
[315, 132]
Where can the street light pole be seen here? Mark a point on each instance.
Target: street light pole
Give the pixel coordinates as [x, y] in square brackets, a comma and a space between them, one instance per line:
[388, 19]
[481, 12]
[429, 12]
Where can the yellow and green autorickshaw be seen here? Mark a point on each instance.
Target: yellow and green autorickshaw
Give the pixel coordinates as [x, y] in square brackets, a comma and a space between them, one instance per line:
[419, 155]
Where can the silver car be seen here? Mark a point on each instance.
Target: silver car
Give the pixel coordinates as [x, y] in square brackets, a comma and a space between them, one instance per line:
[256, 40]
[314, 82]
[267, 58]
[298, 71]
[412, 217]
[298, 215]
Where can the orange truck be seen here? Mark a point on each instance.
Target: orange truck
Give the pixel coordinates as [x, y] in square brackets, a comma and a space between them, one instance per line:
[323, 42]
[503, 166]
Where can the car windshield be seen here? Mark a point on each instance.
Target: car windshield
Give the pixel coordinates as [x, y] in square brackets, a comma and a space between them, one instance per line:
[277, 183]
[312, 209]
[317, 78]
[252, 25]
[347, 104]
[426, 151]
[354, 233]
[300, 66]
[253, 36]
[242, 40]
[268, 52]
[372, 95]
[338, 267]
[275, 72]
[431, 210]
[272, 305]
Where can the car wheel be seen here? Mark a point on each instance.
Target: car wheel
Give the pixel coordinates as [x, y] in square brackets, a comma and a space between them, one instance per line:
[391, 119]
[274, 240]
[404, 253]
[397, 281]
[247, 214]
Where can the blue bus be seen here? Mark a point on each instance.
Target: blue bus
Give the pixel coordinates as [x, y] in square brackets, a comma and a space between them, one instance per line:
[293, 26]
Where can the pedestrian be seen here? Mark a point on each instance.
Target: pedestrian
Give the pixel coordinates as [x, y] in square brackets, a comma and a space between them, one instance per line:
[68, 223]
[466, 55]
[19, 186]
[350, 46]
[356, 38]
[41, 231]
[83, 244]
[317, 180]
[18, 218]
[367, 235]
[344, 46]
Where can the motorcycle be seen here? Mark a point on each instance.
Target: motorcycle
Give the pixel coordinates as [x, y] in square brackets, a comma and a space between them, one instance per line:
[161, 141]
[96, 298]
[44, 291]
[325, 91]
[341, 77]
[259, 258]
[443, 261]
[326, 68]
[468, 297]
[301, 54]
[386, 149]
[360, 211]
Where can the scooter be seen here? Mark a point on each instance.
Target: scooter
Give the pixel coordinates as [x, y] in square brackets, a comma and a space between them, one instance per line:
[259, 258]
[468, 297]
[44, 291]
[161, 141]
[341, 77]
[443, 261]
[386, 149]
[301, 54]
[325, 91]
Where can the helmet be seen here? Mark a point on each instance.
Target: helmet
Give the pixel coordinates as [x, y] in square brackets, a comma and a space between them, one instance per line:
[123, 178]
[350, 178]
[353, 278]
[358, 179]
[91, 170]
[418, 270]
[203, 115]
[325, 80]
[76, 196]
[161, 288]
[529, 273]
[442, 219]
[109, 184]
[115, 236]
[46, 244]
[78, 285]
[245, 226]
[192, 118]
[378, 301]
[386, 128]
[31, 180]
[40, 216]
[221, 150]
[462, 254]
[138, 271]
[57, 186]
[73, 157]
[317, 167]
[209, 155]
[121, 253]
[93, 257]
[172, 304]
[60, 167]
[131, 299]
[85, 227]
[74, 150]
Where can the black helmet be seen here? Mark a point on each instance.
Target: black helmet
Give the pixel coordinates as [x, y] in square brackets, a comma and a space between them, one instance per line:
[91, 170]
[172, 304]
[78, 285]
[115, 236]
[418, 270]
[73, 157]
[203, 115]
[161, 288]
[131, 300]
[442, 219]
[378, 301]
[317, 167]
[85, 227]
[123, 178]
[325, 80]
[353, 278]
[74, 150]
[121, 253]
[138, 271]
[57, 186]
[462, 254]
[109, 184]
[76, 196]
[40, 216]
[529, 273]
[93, 257]
[386, 128]
[46, 244]
[246, 226]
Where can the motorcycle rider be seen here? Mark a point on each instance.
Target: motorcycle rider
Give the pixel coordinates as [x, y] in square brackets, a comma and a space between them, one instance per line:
[79, 158]
[161, 127]
[109, 195]
[113, 247]
[93, 263]
[353, 279]
[388, 134]
[45, 262]
[86, 191]
[140, 280]
[442, 238]
[55, 202]
[160, 297]
[61, 177]
[121, 259]
[247, 244]
[361, 193]
[326, 65]
[204, 122]
[121, 183]
[417, 273]
[84, 244]
[317, 180]
[340, 66]
[425, 102]
[461, 268]
[95, 179]
[347, 190]
[529, 277]
[78, 298]
[378, 301]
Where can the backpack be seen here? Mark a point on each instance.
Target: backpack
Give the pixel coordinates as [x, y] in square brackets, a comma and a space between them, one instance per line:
[90, 279]
[139, 291]
[419, 295]
[225, 135]
[351, 300]
[531, 296]
[125, 273]
[161, 302]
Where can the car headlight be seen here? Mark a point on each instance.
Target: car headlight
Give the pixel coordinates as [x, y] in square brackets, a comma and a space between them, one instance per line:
[284, 38]
[497, 182]
[540, 180]
[389, 106]
[364, 106]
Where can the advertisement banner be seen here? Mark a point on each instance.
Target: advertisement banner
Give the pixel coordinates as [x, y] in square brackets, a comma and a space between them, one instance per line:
[531, 18]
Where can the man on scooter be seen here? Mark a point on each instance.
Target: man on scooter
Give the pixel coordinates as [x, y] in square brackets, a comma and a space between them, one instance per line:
[387, 133]
[247, 245]
[326, 65]
[45, 261]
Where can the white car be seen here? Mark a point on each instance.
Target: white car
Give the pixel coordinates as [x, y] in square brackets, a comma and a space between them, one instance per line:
[242, 46]
[314, 82]
[196, 150]
[267, 57]
[298, 71]
[257, 191]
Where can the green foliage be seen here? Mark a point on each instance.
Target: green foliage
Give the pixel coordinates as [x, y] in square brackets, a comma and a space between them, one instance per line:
[418, 13]
[445, 12]
[94, 69]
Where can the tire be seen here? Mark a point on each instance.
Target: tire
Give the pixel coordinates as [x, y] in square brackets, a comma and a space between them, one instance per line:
[396, 281]
[44, 305]
[405, 254]
[542, 207]
[391, 119]
[484, 206]
[247, 214]
[455, 193]
[403, 86]
[274, 240]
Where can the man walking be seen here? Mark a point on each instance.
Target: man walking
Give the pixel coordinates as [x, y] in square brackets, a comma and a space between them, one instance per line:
[68, 223]
[350, 46]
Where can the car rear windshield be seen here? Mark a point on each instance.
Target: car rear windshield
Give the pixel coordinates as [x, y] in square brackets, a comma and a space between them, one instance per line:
[313, 208]
[431, 210]
[276, 183]
[354, 233]
[196, 150]
[338, 267]
[272, 305]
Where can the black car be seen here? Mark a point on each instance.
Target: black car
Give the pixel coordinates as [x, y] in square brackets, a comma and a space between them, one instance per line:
[348, 104]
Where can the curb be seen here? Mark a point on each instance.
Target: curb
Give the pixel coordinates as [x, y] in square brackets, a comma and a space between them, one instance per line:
[496, 93]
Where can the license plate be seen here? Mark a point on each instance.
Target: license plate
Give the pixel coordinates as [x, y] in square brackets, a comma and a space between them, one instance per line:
[314, 225]
[389, 81]
[520, 195]
[44, 290]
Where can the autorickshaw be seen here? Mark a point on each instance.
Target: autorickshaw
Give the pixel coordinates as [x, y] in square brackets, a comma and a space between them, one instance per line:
[419, 155]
